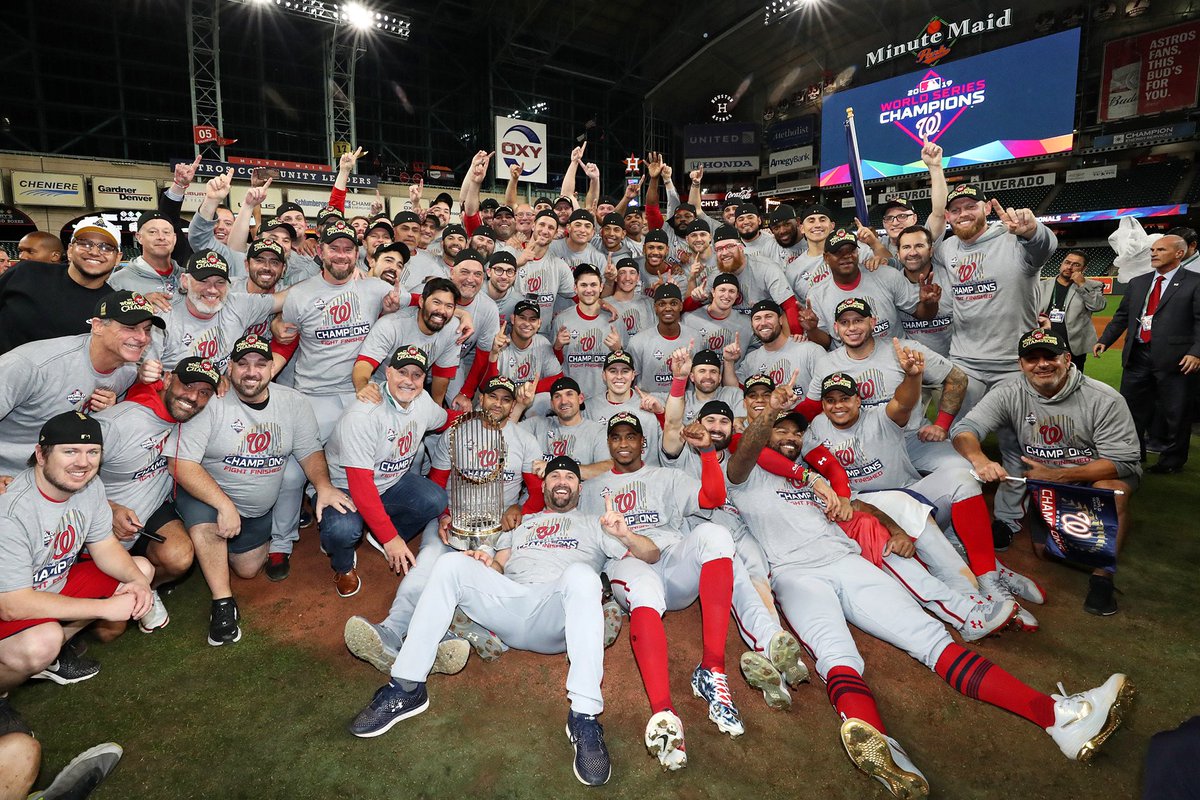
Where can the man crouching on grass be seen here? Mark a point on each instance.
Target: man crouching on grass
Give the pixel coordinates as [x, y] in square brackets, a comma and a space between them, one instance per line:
[48, 515]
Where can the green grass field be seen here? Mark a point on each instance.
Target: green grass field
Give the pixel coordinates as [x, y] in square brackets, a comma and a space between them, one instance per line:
[266, 718]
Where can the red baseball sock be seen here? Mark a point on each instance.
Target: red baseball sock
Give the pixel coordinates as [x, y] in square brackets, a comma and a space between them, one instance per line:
[973, 675]
[851, 697]
[716, 600]
[974, 529]
[649, 640]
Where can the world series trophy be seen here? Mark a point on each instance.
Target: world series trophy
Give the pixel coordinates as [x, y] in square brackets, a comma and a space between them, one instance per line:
[476, 485]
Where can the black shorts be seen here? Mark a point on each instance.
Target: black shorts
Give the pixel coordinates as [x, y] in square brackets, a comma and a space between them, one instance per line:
[256, 531]
[162, 516]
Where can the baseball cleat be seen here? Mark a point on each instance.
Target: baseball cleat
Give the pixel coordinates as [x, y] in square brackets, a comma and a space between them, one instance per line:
[760, 673]
[592, 766]
[389, 705]
[1024, 621]
[664, 740]
[1022, 588]
[372, 643]
[883, 759]
[987, 618]
[1100, 600]
[1082, 722]
[784, 652]
[452, 655]
[486, 644]
[713, 687]
[614, 617]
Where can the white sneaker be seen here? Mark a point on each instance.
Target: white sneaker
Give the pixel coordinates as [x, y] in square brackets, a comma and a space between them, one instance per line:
[664, 739]
[993, 590]
[1082, 722]
[156, 618]
[987, 618]
[883, 759]
[1023, 588]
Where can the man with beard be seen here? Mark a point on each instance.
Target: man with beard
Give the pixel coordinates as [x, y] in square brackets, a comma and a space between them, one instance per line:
[378, 233]
[542, 276]
[46, 301]
[52, 511]
[651, 348]
[523, 354]
[785, 229]
[377, 644]
[154, 270]
[474, 351]
[701, 256]
[634, 309]
[719, 323]
[702, 373]
[483, 241]
[576, 247]
[85, 373]
[621, 394]
[582, 339]
[635, 223]
[566, 432]
[501, 278]
[208, 319]
[757, 279]
[869, 442]
[388, 262]
[228, 464]
[371, 453]
[655, 265]
[749, 227]
[806, 266]
[1098, 444]
[454, 241]
[914, 251]
[1068, 301]
[505, 225]
[135, 477]
[991, 274]
[868, 358]
[546, 599]
[884, 290]
[822, 584]
[681, 214]
[431, 326]
[773, 662]
[696, 562]
[333, 313]
[779, 356]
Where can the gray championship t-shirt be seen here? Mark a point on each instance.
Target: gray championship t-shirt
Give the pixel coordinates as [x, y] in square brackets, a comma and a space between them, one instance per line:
[520, 450]
[486, 316]
[714, 334]
[586, 442]
[543, 281]
[655, 501]
[651, 353]
[394, 331]
[601, 409]
[545, 544]
[536, 360]
[779, 364]
[187, 335]
[759, 279]
[382, 437]
[886, 290]
[134, 470]
[583, 356]
[871, 450]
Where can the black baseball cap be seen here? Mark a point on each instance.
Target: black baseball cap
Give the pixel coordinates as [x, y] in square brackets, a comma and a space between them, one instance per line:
[499, 382]
[503, 210]
[502, 257]
[695, 226]
[485, 231]
[260, 246]
[339, 229]
[195, 368]
[685, 207]
[250, 343]
[205, 264]
[794, 417]
[564, 383]
[613, 218]
[746, 208]
[715, 407]
[658, 235]
[452, 229]
[489, 202]
[726, 278]
[581, 214]
[526, 305]
[587, 269]
[619, 357]
[760, 379]
[409, 354]
[815, 210]
[275, 223]
[766, 305]
[286, 207]
[443, 197]
[726, 233]
[394, 247]
[965, 190]
[563, 462]
[895, 202]
[469, 254]
[1039, 339]
[564, 199]
[625, 418]
[668, 291]
[782, 213]
[730, 201]
[128, 308]
[547, 213]
[627, 263]
[541, 201]
[858, 304]
[706, 358]
[838, 238]
[150, 216]
[383, 223]
[405, 217]
[839, 381]
[607, 200]
[70, 427]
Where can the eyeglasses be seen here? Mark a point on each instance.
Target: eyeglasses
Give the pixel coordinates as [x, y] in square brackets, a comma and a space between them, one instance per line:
[502, 270]
[898, 217]
[91, 244]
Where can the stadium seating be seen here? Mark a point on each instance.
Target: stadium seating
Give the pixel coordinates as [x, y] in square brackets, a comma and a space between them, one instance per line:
[1151, 184]
[1099, 260]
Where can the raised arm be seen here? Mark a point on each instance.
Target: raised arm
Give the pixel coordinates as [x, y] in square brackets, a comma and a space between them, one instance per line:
[931, 154]
[758, 433]
[510, 192]
[568, 183]
[681, 367]
[239, 234]
[908, 393]
[469, 194]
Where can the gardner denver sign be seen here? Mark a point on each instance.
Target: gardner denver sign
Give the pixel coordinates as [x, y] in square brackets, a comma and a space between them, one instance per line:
[938, 36]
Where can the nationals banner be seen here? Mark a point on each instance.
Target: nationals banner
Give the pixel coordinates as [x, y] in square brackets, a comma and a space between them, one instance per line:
[1081, 522]
[1150, 73]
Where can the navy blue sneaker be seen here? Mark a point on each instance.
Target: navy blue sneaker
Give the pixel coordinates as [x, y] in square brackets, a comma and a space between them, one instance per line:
[389, 705]
[592, 766]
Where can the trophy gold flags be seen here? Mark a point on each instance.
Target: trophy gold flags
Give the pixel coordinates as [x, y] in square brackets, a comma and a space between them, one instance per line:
[476, 485]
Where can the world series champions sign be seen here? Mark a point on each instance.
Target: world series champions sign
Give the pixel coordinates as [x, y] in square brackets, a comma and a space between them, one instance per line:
[1081, 522]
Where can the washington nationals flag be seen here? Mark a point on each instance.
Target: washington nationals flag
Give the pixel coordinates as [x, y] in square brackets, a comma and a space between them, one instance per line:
[855, 164]
[1081, 522]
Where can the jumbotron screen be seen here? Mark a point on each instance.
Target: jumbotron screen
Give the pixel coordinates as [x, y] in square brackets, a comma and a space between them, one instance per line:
[1015, 102]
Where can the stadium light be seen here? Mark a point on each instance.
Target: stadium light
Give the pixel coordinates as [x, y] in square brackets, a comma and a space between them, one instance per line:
[352, 14]
[776, 10]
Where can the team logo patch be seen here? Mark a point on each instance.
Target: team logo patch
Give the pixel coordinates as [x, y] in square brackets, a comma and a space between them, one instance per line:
[238, 426]
[75, 396]
[1030, 419]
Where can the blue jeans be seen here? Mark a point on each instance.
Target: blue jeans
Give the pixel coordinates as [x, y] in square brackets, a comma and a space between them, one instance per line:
[410, 503]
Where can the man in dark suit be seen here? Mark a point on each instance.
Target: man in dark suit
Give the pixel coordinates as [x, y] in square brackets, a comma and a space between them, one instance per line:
[1160, 318]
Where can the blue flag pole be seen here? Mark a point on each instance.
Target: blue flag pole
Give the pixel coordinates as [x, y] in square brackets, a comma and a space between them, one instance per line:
[855, 163]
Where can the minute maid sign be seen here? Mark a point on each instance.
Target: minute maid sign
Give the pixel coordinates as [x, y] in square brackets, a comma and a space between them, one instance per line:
[938, 36]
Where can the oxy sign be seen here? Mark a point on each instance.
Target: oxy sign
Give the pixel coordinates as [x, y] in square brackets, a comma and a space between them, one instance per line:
[521, 142]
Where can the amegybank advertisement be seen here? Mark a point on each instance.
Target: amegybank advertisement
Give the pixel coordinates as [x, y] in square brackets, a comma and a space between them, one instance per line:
[1015, 102]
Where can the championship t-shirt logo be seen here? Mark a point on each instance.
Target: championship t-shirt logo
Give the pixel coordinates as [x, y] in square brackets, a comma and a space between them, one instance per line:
[238, 426]
[342, 319]
[401, 454]
[871, 387]
[631, 501]
[258, 452]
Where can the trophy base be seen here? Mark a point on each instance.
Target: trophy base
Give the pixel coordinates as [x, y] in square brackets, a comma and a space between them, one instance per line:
[473, 540]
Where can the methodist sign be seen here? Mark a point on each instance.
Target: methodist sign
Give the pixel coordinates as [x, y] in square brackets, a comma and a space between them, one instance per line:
[521, 142]
[47, 189]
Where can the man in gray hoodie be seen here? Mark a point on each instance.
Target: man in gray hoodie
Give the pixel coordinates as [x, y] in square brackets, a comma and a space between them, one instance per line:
[991, 274]
[1071, 429]
[154, 270]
